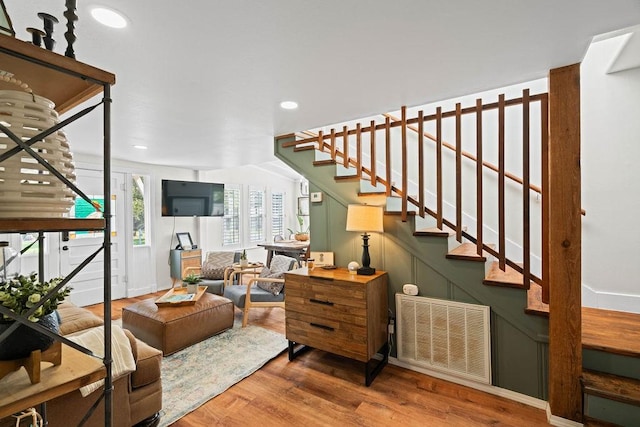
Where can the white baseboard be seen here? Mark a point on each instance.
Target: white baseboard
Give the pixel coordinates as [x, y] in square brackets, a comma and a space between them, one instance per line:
[497, 391]
[136, 292]
[609, 300]
[554, 420]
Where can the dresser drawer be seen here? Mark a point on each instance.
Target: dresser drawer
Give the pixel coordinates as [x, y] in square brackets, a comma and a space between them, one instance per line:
[335, 291]
[326, 308]
[335, 337]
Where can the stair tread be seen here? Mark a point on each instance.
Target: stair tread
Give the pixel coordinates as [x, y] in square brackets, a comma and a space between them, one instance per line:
[612, 331]
[534, 301]
[509, 278]
[346, 178]
[602, 384]
[325, 162]
[304, 147]
[588, 421]
[409, 213]
[435, 231]
[466, 251]
[372, 193]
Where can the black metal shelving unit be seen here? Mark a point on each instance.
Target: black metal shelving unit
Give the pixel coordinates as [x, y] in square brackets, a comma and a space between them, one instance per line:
[68, 83]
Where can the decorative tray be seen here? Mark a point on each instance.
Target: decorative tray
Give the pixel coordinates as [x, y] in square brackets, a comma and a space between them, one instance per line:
[179, 296]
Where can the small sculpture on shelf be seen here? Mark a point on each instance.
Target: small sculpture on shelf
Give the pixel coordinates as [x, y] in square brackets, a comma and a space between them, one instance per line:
[71, 16]
[48, 20]
[36, 36]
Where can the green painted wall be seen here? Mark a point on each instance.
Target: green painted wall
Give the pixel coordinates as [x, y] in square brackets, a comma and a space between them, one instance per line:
[519, 349]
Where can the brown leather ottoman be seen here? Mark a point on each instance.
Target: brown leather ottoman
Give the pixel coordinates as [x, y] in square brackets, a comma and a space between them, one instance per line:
[173, 328]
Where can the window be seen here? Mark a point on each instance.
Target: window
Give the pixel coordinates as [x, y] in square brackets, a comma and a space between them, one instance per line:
[277, 214]
[139, 210]
[30, 240]
[231, 220]
[256, 215]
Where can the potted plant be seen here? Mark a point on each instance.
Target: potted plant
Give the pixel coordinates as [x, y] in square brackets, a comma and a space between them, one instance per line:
[301, 234]
[244, 262]
[19, 294]
[192, 281]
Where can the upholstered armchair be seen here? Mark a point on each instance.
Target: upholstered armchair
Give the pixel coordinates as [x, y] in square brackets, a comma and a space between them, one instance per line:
[213, 270]
[266, 290]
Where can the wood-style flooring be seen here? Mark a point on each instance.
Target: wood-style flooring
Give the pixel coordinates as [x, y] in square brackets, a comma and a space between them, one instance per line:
[321, 389]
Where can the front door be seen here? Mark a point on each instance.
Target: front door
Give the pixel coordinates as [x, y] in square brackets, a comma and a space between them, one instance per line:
[88, 284]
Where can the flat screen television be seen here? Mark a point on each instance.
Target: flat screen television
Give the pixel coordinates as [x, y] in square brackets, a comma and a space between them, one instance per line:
[190, 198]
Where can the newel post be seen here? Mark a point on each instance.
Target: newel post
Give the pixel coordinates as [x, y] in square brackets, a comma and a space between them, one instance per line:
[563, 243]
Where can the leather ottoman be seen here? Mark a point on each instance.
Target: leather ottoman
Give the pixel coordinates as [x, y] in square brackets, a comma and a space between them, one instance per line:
[173, 328]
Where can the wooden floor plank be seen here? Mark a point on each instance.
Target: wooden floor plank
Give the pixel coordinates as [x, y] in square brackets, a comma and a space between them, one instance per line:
[320, 381]
[320, 389]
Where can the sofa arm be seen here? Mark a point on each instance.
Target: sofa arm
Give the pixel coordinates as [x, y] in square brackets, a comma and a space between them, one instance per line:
[148, 362]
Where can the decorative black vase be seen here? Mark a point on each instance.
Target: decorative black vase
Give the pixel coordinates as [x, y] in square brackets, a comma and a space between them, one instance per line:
[24, 340]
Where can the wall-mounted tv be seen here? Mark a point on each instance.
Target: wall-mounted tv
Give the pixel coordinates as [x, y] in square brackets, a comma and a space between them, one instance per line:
[189, 198]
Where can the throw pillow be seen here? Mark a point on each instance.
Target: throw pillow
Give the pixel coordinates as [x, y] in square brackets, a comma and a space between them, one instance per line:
[215, 265]
[273, 287]
[212, 272]
[281, 263]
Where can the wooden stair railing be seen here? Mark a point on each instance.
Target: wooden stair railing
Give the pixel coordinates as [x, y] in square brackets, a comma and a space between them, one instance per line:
[342, 155]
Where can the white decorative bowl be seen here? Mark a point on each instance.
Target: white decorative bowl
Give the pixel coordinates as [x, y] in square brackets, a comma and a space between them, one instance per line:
[353, 267]
[28, 189]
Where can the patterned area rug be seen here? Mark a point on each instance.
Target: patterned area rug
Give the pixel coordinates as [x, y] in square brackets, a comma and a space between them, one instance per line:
[198, 373]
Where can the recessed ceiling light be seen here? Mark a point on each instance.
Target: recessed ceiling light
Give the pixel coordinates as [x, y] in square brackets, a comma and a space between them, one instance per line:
[289, 105]
[109, 17]
[140, 147]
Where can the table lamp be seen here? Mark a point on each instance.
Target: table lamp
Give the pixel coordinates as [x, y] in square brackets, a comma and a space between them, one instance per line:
[365, 218]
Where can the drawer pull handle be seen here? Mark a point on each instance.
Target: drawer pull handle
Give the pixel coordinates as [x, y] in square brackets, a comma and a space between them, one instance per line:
[326, 328]
[317, 301]
[322, 278]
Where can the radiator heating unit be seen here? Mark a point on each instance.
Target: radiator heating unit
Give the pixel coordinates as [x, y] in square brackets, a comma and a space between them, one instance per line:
[445, 336]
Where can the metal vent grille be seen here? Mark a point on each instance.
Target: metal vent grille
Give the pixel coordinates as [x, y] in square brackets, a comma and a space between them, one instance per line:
[447, 336]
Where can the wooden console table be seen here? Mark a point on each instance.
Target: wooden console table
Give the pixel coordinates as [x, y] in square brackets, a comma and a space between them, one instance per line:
[339, 312]
[76, 370]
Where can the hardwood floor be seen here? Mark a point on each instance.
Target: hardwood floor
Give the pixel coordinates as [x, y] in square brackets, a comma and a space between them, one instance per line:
[320, 389]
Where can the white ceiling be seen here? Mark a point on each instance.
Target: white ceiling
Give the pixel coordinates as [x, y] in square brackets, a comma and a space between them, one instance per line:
[199, 82]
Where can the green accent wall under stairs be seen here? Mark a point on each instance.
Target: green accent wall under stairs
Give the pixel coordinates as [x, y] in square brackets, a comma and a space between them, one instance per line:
[519, 349]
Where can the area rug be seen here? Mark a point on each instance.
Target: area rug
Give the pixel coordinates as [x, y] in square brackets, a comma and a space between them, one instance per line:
[198, 373]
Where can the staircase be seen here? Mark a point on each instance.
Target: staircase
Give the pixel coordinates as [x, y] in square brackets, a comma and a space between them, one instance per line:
[438, 250]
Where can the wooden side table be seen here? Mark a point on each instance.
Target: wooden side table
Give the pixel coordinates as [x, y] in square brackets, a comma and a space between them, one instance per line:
[181, 259]
[236, 269]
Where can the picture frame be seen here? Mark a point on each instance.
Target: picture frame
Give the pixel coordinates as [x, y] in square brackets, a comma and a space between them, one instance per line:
[303, 206]
[6, 27]
[321, 259]
[304, 188]
[184, 240]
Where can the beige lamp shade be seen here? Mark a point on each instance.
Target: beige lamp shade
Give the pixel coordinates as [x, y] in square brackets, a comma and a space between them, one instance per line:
[364, 218]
